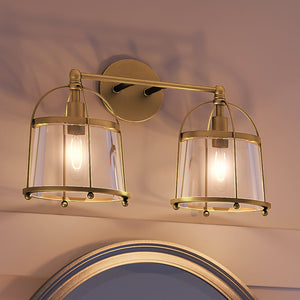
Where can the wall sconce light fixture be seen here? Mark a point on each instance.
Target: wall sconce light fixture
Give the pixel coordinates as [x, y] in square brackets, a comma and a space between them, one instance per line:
[77, 158]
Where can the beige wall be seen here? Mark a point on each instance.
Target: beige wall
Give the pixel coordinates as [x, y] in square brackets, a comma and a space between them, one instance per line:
[35, 246]
[251, 47]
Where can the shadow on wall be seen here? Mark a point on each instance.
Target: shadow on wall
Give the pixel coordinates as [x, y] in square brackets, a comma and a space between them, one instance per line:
[38, 52]
[19, 287]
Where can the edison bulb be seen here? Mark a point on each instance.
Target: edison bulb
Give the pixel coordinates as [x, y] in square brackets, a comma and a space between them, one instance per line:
[220, 165]
[76, 152]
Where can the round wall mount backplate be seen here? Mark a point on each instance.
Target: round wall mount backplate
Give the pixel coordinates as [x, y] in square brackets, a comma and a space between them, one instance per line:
[130, 104]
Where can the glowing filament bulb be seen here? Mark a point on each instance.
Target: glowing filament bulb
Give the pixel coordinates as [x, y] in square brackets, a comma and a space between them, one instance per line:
[220, 165]
[76, 152]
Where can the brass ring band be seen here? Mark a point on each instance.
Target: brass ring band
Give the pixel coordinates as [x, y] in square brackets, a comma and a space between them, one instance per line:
[44, 121]
[189, 135]
[37, 189]
[189, 200]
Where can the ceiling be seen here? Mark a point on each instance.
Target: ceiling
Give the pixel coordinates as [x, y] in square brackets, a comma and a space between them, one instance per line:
[252, 48]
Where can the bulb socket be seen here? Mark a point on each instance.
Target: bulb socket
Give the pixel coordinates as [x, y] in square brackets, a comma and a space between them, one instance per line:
[220, 123]
[75, 109]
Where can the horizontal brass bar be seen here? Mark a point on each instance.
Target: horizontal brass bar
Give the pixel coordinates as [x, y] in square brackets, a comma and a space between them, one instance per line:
[44, 121]
[47, 189]
[189, 135]
[189, 200]
[150, 83]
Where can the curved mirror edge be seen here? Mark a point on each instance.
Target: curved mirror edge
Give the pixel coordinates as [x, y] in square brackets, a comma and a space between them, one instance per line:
[210, 274]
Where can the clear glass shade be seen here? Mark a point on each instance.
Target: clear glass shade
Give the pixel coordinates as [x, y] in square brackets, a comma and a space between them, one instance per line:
[219, 173]
[61, 156]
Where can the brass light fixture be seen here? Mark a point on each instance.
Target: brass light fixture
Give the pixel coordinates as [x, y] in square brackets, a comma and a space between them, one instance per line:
[218, 169]
[64, 162]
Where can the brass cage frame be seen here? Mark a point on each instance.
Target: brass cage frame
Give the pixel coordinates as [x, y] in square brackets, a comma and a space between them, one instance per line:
[32, 191]
[189, 202]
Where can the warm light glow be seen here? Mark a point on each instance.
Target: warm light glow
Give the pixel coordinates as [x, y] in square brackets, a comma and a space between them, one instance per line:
[76, 152]
[220, 165]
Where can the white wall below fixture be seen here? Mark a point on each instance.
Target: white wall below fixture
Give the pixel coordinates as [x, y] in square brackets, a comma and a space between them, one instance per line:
[264, 248]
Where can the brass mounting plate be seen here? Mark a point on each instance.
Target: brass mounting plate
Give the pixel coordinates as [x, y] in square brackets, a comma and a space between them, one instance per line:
[130, 104]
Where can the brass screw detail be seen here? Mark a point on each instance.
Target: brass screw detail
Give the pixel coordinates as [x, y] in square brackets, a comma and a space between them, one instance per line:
[28, 196]
[64, 203]
[236, 205]
[90, 195]
[206, 213]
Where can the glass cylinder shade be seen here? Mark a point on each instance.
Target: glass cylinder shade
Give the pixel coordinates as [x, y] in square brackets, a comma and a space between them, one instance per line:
[214, 178]
[219, 171]
[76, 159]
